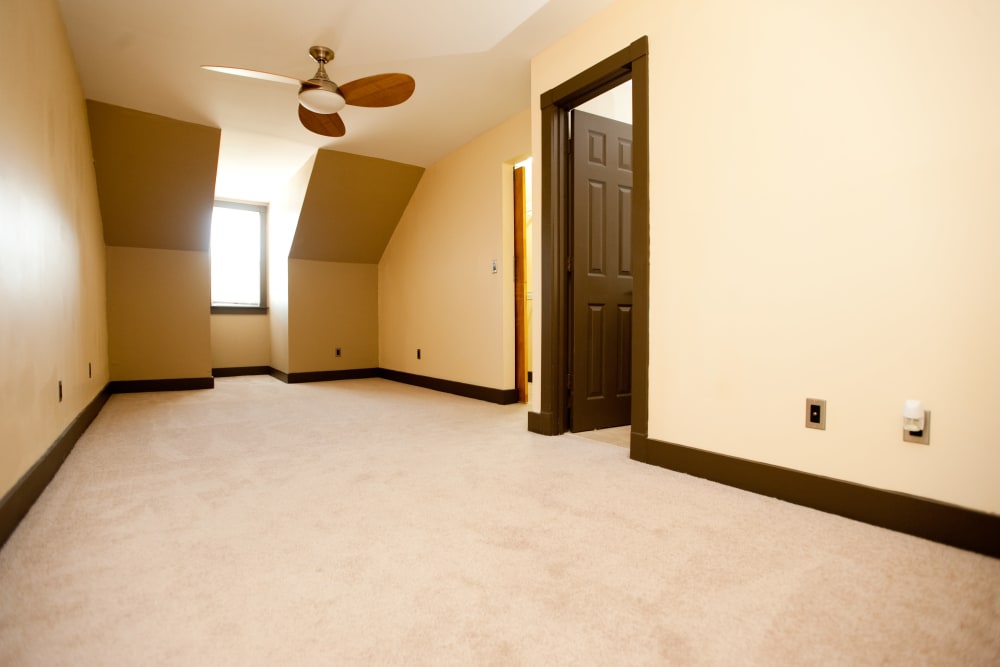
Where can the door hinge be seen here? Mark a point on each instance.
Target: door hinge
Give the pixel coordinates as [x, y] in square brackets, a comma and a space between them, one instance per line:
[569, 265]
[569, 380]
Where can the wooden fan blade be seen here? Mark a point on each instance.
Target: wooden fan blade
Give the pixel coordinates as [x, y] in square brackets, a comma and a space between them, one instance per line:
[327, 124]
[380, 90]
[254, 74]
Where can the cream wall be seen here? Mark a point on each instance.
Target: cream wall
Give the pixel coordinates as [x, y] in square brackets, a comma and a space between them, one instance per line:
[240, 340]
[158, 313]
[824, 219]
[245, 340]
[51, 245]
[615, 104]
[282, 217]
[436, 289]
[331, 305]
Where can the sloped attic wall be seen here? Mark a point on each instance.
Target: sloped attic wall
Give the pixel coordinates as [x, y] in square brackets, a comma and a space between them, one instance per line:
[156, 180]
[437, 290]
[350, 210]
[283, 217]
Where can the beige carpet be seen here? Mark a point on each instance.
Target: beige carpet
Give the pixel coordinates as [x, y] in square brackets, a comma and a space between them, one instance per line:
[372, 522]
[618, 436]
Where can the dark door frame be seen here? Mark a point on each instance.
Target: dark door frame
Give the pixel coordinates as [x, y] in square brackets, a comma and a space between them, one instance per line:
[629, 63]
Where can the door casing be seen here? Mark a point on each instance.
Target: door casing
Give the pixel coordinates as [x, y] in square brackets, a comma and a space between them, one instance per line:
[629, 63]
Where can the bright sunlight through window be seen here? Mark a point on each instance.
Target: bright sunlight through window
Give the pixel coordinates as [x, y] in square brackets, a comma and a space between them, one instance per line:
[237, 255]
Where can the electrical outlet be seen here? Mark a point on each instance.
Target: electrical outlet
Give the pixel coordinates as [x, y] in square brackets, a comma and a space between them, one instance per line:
[418, 353]
[338, 351]
[60, 391]
[816, 413]
[920, 437]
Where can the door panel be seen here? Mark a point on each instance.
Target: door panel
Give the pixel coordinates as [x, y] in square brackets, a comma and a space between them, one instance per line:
[596, 227]
[601, 281]
[625, 232]
[624, 365]
[594, 339]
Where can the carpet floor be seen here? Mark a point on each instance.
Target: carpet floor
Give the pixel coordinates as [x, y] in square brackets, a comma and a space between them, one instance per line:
[370, 522]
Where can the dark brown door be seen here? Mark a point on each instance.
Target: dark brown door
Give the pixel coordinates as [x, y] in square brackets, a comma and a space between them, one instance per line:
[601, 267]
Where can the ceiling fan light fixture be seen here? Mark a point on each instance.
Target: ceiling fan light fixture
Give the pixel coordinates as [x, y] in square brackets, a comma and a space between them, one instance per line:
[320, 100]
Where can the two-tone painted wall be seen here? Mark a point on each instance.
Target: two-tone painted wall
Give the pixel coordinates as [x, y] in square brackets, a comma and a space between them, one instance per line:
[53, 321]
[824, 219]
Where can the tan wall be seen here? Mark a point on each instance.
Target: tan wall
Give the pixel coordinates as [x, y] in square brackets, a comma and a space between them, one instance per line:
[53, 322]
[156, 178]
[240, 340]
[351, 207]
[282, 218]
[332, 305]
[823, 202]
[436, 291]
[158, 313]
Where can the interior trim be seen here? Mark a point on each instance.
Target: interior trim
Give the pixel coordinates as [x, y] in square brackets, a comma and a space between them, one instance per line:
[921, 517]
[499, 396]
[18, 500]
[233, 371]
[326, 376]
[172, 384]
[543, 423]
[489, 394]
[631, 63]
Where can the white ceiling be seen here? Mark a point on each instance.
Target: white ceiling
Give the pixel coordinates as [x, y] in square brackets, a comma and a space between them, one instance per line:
[470, 59]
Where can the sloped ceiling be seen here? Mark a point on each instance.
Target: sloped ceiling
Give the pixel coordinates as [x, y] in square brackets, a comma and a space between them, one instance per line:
[155, 178]
[351, 207]
[470, 59]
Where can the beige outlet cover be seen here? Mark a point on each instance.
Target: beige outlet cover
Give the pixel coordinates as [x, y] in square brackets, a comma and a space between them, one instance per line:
[821, 403]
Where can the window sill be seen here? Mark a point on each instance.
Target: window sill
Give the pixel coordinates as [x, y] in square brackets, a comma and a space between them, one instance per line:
[239, 310]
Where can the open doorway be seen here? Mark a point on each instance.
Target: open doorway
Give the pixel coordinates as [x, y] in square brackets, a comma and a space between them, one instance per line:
[557, 383]
[600, 260]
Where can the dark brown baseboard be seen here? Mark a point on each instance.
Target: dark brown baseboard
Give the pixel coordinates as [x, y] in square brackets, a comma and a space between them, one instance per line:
[322, 376]
[543, 423]
[328, 376]
[15, 504]
[499, 396]
[921, 517]
[234, 371]
[173, 384]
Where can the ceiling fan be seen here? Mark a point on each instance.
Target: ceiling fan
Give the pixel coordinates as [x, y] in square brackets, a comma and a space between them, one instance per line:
[320, 98]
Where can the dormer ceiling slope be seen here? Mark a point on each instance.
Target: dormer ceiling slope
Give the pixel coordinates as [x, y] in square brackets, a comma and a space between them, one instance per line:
[351, 207]
[155, 178]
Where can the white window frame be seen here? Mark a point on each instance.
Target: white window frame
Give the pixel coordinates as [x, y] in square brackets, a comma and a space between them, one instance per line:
[230, 309]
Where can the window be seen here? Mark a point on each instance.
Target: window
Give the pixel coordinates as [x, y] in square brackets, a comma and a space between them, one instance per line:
[239, 253]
